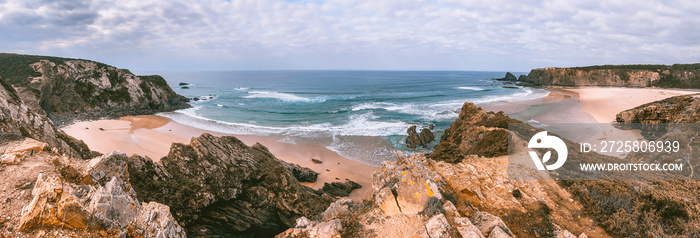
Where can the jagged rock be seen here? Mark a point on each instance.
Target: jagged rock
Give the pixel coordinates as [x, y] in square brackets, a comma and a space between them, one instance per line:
[340, 189]
[18, 121]
[509, 77]
[522, 78]
[42, 209]
[302, 174]
[67, 89]
[155, 220]
[487, 223]
[112, 206]
[219, 185]
[413, 139]
[474, 132]
[438, 227]
[466, 229]
[316, 161]
[105, 168]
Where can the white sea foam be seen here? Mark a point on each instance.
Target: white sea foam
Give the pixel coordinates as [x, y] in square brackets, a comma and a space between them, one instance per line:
[358, 125]
[471, 88]
[287, 97]
[241, 88]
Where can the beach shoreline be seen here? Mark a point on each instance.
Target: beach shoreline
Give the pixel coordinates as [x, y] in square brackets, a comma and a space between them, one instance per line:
[152, 135]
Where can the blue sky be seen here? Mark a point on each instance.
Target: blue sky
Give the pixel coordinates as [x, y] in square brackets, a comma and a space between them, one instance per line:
[497, 35]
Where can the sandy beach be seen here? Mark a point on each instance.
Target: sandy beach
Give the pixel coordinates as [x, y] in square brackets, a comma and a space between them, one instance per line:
[151, 136]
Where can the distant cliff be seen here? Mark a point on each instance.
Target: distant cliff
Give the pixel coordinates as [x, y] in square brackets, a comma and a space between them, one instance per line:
[68, 89]
[664, 76]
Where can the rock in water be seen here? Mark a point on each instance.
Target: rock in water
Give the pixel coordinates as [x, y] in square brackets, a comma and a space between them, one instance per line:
[219, 185]
[426, 136]
[413, 139]
[509, 77]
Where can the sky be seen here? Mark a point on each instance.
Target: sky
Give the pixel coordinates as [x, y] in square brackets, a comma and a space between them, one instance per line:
[494, 35]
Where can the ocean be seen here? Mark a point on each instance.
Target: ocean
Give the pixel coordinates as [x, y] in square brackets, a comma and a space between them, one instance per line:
[362, 115]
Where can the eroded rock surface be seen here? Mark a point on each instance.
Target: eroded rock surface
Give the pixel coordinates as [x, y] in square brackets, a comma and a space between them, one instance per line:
[67, 89]
[219, 185]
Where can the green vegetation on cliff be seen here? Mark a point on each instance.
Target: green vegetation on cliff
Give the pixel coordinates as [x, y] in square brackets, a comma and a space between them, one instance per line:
[639, 75]
[65, 89]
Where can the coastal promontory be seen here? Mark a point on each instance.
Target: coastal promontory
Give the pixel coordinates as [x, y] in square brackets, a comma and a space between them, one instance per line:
[67, 89]
[664, 76]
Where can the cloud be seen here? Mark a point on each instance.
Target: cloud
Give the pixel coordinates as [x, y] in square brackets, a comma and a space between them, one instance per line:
[345, 34]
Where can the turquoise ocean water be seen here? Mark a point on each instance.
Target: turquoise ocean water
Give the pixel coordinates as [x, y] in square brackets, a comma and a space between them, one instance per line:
[362, 115]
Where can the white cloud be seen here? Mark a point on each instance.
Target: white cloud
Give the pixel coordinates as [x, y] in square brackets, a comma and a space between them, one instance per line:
[345, 34]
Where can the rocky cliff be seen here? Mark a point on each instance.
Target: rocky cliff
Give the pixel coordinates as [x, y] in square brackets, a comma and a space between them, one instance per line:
[666, 76]
[67, 89]
[218, 185]
[679, 109]
[18, 121]
[621, 208]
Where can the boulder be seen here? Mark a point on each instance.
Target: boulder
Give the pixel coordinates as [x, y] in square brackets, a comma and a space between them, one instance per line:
[302, 174]
[340, 189]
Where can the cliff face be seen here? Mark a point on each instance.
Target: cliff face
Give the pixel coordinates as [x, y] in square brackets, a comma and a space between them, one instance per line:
[68, 89]
[673, 76]
[679, 109]
[18, 121]
[595, 77]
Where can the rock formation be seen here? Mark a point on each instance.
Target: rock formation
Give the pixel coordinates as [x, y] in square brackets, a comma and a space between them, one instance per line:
[474, 132]
[51, 195]
[67, 89]
[509, 77]
[418, 197]
[679, 109]
[415, 139]
[218, 185]
[18, 121]
[665, 76]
